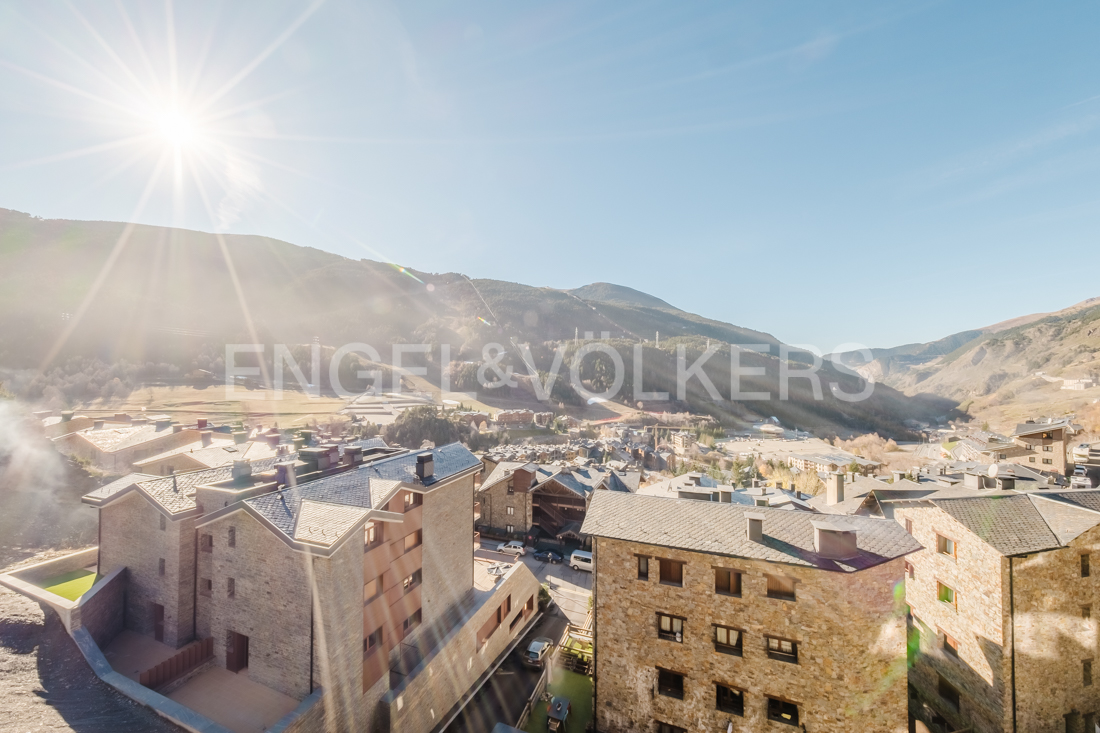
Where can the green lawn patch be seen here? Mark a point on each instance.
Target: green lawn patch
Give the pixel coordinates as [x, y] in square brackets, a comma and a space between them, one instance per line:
[71, 585]
[563, 683]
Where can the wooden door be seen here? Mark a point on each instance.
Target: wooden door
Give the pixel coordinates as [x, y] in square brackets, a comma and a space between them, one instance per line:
[158, 622]
[236, 652]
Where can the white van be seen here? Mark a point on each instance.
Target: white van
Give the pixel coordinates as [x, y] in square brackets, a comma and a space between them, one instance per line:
[581, 560]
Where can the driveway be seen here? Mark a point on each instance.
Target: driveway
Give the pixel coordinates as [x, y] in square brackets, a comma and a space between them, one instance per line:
[502, 698]
[569, 588]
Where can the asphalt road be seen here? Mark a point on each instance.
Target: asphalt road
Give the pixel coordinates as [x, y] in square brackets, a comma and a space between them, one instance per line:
[502, 698]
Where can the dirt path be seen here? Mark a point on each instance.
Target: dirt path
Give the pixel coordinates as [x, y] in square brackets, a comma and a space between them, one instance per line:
[45, 684]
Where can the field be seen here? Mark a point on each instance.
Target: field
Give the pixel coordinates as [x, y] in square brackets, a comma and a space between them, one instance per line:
[217, 402]
[71, 586]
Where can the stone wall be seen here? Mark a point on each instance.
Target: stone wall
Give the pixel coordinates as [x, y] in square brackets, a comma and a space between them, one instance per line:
[494, 509]
[338, 636]
[270, 605]
[448, 562]
[850, 630]
[100, 609]
[977, 621]
[131, 537]
[1053, 638]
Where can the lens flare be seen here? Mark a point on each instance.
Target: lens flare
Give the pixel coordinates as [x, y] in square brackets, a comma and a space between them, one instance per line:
[176, 128]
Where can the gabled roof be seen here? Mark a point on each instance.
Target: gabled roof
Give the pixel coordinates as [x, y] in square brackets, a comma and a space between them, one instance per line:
[1018, 524]
[720, 529]
[1030, 428]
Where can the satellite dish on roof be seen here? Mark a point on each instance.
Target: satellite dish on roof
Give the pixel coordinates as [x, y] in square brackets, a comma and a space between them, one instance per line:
[993, 471]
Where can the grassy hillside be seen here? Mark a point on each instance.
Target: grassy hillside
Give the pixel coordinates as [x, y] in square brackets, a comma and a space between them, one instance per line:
[98, 295]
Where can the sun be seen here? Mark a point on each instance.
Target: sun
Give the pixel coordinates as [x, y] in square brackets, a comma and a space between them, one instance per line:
[176, 127]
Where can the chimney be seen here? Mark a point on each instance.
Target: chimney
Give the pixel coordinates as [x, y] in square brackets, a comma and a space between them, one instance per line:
[299, 443]
[97, 425]
[833, 539]
[353, 454]
[66, 416]
[798, 494]
[242, 470]
[834, 489]
[755, 526]
[425, 466]
[239, 436]
[177, 428]
[898, 475]
[201, 423]
[282, 472]
[207, 438]
[164, 423]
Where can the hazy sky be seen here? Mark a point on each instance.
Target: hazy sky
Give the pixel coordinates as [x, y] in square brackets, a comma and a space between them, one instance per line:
[827, 172]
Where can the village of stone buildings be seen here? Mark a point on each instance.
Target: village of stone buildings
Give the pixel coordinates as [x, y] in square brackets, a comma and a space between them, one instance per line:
[663, 578]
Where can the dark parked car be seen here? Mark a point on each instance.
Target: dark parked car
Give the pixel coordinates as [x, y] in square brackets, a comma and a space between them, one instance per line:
[548, 556]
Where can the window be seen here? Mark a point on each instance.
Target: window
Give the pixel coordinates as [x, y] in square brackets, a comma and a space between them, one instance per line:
[414, 540]
[727, 640]
[672, 573]
[510, 528]
[670, 684]
[511, 488]
[372, 642]
[782, 711]
[782, 650]
[1031, 459]
[411, 622]
[231, 588]
[412, 499]
[670, 627]
[1084, 566]
[727, 582]
[669, 728]
[946, 594]
[909, 526]
[511, 511]
[1086, 612]
[372, 535]
[206, 587]
[232, 536]
[1048, 449]
[949, 693]
[910, 571]
[163, 522]
[412, 581]
[1086, 673]
[1048, 461]
[160, 566]
[780, 587]
[950, 646]
[371, 589]
[643, 568]
[945, 545]
[529, 607]
[730, 700]
[206, 543]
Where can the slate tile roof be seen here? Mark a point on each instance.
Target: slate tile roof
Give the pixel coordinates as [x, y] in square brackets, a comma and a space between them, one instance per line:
[721, 529]
[108, 490]
[367, 487]
[1009, 524]
[324, 524]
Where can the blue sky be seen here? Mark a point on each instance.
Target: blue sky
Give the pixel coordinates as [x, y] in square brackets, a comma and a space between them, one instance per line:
[828, 172]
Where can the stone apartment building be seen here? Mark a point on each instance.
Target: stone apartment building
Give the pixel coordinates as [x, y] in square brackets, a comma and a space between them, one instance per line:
[115, 444]
[332, 572]
[715, 617]
[522, 498]
[1004, 610]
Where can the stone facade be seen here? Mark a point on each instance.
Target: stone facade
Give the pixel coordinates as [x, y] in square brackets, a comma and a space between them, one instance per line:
[495, 504]
[449, 577]
[132, 537]
[270, 603]
[849, 629]
[1031, 607]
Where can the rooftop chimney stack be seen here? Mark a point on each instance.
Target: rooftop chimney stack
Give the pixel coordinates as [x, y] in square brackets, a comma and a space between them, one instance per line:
[207, 438]
[242, 470]
[756, 526]
[425, 466]
[898, 475]
[201, 423]
[834, 539]
[97, 425]
[834, 489]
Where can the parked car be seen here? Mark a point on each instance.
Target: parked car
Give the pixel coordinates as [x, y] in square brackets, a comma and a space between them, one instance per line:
[515, 547]
[537, 652]
[548, 556]
[581, 560]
